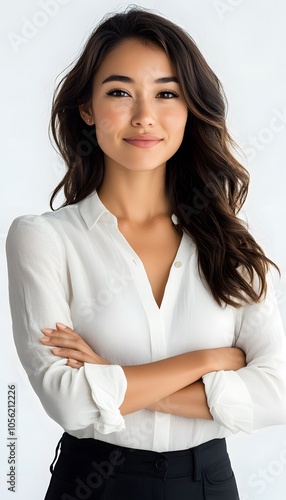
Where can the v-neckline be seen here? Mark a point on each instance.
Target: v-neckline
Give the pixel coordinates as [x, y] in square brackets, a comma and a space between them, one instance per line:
[176, 258]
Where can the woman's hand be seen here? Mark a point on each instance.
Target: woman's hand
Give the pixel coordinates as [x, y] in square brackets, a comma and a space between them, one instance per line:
[68, 344]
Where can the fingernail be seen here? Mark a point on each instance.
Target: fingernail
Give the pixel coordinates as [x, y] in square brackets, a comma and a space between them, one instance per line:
[74, 361]
[61, 325]
[57, 349]
[47, 330]
[45, 339]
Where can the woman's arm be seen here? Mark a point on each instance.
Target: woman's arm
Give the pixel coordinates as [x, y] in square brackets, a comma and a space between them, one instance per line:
[254, 396]
[150, 382]
[190, 402]
[38, 294]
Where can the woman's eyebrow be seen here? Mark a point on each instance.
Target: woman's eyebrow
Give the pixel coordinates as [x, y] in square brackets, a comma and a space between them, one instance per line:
[127, 79]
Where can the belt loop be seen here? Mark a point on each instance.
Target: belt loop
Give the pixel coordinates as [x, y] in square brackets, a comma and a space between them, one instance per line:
[56, 454]
[197, 464]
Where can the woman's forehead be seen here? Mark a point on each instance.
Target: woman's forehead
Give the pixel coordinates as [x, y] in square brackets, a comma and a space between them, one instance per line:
[133, 58]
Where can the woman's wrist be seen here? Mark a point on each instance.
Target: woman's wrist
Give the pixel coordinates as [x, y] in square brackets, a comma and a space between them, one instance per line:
[206, 359]
[224, 358]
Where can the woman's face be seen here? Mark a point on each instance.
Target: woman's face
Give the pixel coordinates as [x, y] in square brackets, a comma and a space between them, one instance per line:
[137, 107]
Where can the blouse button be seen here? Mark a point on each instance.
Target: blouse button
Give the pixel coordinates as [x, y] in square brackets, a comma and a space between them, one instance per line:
[178, 264]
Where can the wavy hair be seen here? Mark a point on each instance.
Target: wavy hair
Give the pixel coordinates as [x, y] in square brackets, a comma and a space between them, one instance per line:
[204, 182]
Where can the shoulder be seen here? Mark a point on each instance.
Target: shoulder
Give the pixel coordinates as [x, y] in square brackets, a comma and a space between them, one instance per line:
[47, 225]
[29, 228]
[32, 237]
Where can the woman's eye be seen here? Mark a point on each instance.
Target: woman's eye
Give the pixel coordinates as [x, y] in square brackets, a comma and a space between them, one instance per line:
[118, 93]
[166, 94]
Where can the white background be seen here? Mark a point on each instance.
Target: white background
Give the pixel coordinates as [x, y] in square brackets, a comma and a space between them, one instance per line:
[244, 42]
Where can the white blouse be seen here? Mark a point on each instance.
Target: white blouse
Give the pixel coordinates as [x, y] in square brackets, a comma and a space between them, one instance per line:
[75, 266]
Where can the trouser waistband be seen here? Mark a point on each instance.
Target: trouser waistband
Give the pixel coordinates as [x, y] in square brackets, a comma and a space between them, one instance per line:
[166, 464]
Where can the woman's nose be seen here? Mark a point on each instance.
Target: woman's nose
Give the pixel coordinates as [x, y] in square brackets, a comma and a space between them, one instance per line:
[143, 114]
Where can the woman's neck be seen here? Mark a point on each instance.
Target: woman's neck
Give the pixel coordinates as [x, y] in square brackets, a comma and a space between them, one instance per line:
[135, 197]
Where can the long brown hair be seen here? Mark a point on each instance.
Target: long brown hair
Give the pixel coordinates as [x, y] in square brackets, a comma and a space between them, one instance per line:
[204, 182]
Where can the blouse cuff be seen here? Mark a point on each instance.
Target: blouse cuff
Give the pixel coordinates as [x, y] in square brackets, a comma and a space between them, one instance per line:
[229, 401]
[108, 386]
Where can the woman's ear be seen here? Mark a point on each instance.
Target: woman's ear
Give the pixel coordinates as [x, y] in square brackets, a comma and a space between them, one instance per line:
[86, 114]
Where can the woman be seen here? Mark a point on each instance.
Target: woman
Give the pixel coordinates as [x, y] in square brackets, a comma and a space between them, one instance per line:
[169, 338]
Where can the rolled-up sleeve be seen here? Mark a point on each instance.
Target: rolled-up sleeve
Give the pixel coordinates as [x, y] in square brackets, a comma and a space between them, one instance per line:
[74, 398]
[255, 396]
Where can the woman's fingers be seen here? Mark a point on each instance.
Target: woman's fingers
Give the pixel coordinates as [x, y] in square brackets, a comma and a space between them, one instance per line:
[64, 339]
[66, 343]
[66, 329]
[73, 354]
[66, 332]
[73, 363]
[60, 341]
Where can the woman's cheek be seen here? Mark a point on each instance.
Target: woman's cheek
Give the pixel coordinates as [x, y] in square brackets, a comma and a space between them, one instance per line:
[103, 127]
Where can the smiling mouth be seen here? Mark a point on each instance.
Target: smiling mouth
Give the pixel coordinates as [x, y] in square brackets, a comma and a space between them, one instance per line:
[143, 143]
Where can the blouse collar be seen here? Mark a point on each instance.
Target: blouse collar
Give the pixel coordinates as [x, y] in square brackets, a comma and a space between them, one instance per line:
[92, 210]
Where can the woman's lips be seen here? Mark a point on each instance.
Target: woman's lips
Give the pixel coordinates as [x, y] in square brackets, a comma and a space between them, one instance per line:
[143, 141]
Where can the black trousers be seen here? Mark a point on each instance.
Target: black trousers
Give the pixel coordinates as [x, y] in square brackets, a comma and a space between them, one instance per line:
[88, 469]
